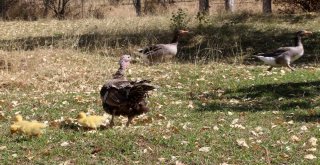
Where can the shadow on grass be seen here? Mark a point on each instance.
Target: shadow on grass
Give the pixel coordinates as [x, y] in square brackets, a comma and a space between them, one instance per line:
[306, 118]
[283, 97]
[77, 127]
[229, 41]
[238, 42]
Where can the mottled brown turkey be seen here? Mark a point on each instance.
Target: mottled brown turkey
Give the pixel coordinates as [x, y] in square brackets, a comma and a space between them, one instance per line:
[122, 97]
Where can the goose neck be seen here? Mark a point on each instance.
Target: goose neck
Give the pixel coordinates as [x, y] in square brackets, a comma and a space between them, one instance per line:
[175, 38]
[298, 41]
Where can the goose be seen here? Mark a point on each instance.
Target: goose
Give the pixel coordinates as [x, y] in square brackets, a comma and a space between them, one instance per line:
[122, 97]
[161, 52]
[284, 56]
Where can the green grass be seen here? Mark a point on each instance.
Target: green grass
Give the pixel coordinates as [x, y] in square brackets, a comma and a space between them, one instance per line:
[194, 99]
[201, 103]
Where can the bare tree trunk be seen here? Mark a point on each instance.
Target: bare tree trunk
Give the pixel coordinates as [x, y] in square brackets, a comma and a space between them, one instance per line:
[137, 5]
[204, 6]
[266, 6]
[2, 8]
[46, 7]
[59, 7]
[82, 8]
[229, 5]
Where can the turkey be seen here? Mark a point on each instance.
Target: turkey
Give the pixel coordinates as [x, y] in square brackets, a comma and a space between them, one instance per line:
[122, 97]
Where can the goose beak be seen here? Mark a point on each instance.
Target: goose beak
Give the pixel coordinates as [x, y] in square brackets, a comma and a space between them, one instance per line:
[183, 31]
[307, 32]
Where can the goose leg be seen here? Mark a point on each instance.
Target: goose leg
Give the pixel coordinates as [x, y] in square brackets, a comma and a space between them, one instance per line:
[129, 120]
[288, 65]
[111, 121]
[270, 68]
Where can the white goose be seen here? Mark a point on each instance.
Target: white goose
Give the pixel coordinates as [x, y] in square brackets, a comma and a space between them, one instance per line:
[284, 56]
[162, 52]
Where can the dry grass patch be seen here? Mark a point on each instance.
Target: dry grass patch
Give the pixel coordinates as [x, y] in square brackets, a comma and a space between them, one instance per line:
[56, 70]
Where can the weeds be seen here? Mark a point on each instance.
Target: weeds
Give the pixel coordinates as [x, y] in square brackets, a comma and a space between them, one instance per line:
[179, 20]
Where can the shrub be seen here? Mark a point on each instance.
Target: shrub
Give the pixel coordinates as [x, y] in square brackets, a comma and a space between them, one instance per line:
[179, 19]
[20, 9]
[293, 6]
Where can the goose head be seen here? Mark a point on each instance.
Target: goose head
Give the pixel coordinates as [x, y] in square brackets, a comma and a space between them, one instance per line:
[303, 33]
[182, 32]
[177, 34]
[299, 35]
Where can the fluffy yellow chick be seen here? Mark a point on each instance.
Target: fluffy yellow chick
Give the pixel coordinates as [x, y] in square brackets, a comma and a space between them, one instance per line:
[30, 128]
[92, 122]
[17, 123]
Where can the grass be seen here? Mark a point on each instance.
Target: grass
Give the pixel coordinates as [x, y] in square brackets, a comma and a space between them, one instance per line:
[227, 38]
[198, 105]
[209, 105]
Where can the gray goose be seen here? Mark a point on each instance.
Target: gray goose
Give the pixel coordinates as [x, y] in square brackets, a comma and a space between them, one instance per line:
[162, 52]
[122, 97]
[284, 56]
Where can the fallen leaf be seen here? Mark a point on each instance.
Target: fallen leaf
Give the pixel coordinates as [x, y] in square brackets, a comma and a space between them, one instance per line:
[223, 163]
[204, 149]
[64, 144]
[273, 125]
[68, 162]
[258, 129]
[162, 160]
[254, 133]
[234, 101]
[3, 148]
[160, 117]
[30, 157]
[295, 138]
[216, 128]
[96, 150]
[238, 126]
[290, 122]
[313, 141]
[242, 143]
[288, 148]
[310, 156]
[145, 150]
[234, 121]
[204, 128]
[179, 163]
[311, 149]
[304, 128]
[230, 113]
[166, 137]
[190, 105]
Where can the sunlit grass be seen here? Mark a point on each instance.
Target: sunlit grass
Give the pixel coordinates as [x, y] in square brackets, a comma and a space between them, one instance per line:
[211, 105]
